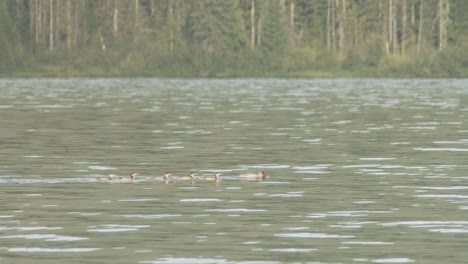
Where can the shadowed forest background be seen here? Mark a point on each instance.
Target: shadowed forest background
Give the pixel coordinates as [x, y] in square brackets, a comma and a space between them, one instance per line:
[234, 38]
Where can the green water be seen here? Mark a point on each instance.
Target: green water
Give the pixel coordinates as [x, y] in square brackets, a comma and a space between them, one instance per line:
[360, 171]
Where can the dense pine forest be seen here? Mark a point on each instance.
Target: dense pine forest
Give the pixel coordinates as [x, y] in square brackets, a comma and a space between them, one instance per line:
[232, 38]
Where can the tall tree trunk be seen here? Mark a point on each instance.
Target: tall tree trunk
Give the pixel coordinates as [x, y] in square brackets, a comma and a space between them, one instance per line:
[443, 11]
[39, 21]
[394, 30]
[333, 25]
[115, 18]
[259, 31]
[341, 26]
[403, 26]
[57, 22]
[329, 24]
[76, 18]
[51, 25]
[390, 26]
[69, 26]
[291, 16]
[252, 24]
[137, 12]
[418, 48]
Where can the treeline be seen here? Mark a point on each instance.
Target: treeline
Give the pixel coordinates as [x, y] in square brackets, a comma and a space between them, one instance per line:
[234, 38]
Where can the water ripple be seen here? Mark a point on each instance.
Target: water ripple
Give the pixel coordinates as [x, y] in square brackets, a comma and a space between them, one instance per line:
[40, 249]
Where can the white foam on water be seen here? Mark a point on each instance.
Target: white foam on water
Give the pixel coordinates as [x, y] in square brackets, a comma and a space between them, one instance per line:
[442, 149]
[296, 228]
[363, 202]
[151, 216]
[39, 249]
[392, 260]
[422, 223]
[172, 147]
[292, 250]
[170, 260]
[266, 166]
[117, 228]
[346, 226]
[251, 242]
[312, 140]
[7, 216]
[456, 196]
[83, 214]
[450, 230]
[236, 210]
[110, 230]
[287, 195]
[30, 228]
[201, 200]
[361, 166]
[138, 200]
[312, 235]
[312, 172]
[444, 187]
[449, 142]
[96, 167]
[377, 158]
[47, 237]
[367, 243]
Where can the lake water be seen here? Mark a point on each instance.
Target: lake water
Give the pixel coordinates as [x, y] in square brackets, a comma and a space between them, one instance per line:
[360, 171]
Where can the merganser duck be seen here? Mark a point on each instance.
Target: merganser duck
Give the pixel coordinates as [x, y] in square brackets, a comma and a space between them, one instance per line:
[191, 177]
[165, 177]
[215, 177]
[261, 175]
[108, 177]
[131, 177]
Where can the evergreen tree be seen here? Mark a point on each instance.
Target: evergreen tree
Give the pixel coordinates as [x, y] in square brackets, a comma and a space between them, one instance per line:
[216, 26]
[273, 31]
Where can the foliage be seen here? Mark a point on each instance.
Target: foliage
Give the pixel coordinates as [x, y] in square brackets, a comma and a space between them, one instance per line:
[231, 38]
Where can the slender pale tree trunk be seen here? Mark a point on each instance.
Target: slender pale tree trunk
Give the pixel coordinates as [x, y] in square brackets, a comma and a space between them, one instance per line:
[259, 31]
[137, 12]
[329, 24]
[333, 20]
[69, 26]
[403, 26]
[443, 11]
[51, 25]
[39, 22]
[115, 19]
[252, 24]
[342, 30]
[394, 30]
[418, 48]
[291, 16]
[390, 26]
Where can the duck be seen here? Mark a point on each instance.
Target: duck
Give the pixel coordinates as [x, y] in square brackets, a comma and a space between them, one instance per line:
[165, 177]
[130, 177]
[215, 177]
[108, 177]
[261, 175]
[191, 177]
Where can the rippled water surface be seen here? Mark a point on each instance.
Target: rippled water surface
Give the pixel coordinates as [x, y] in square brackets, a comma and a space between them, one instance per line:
[360, 171]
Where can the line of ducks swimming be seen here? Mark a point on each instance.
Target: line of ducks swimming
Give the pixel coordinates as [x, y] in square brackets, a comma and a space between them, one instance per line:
[261, 175]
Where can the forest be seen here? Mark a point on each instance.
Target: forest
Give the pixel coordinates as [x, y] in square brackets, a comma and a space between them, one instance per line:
[234, 38]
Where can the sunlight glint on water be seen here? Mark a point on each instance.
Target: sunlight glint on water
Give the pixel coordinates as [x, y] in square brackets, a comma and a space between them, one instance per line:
[360, 170]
